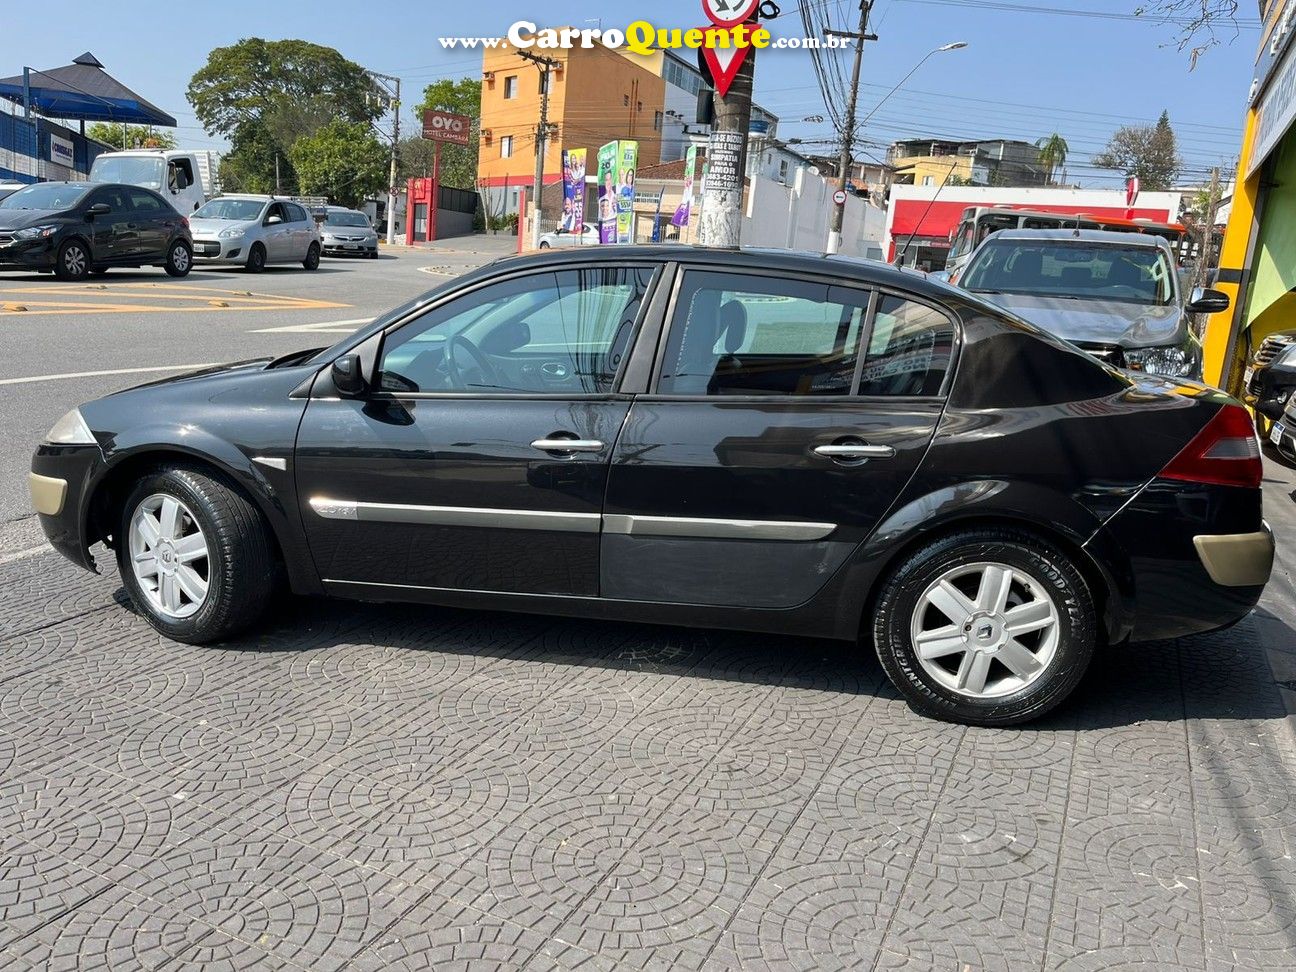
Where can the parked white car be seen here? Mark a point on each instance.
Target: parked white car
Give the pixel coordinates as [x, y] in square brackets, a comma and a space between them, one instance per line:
[254, 231]
[348, 232]
[588, 236]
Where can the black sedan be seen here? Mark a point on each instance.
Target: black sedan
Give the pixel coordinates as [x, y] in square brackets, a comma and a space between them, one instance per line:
[78, 228]
[767, 441]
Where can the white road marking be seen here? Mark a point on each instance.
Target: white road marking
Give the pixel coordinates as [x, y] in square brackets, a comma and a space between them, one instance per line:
[321, 327]
[114, 371]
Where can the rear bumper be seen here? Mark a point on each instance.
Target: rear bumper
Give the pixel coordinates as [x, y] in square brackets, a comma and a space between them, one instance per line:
[1199, 556]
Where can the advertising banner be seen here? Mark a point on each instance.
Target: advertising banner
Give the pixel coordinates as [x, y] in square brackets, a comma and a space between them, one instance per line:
[62, 151]
[573, 214]
[607, 193]
[627, 161]
[681, 217]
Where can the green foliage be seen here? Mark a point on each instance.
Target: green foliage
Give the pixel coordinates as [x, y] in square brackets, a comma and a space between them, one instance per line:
[136, 136]
[1149, 152]
[1053, 152]
[249, 166]
[343, 160]
[458, 163]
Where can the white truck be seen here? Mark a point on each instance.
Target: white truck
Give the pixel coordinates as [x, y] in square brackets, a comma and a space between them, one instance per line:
[176, 173]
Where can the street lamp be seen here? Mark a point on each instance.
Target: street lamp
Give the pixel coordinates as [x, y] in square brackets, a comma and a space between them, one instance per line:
[848, 136]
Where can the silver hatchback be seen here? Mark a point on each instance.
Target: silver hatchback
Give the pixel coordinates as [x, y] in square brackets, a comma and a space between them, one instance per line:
[255, 231]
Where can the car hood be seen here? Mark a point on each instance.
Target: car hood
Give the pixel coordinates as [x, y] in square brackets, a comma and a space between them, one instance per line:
[12, 219]
[1099, 321]
[211, 227]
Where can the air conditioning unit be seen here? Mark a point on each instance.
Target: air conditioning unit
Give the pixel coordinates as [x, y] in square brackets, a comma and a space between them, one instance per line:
[489, 77]
[486, 134]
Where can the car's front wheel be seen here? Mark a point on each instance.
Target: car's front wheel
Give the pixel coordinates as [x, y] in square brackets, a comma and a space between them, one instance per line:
[179, 259]
[544, 245]
[195, 555]
[256, 258]
[72, 261]
[312, 257]
[987, 627]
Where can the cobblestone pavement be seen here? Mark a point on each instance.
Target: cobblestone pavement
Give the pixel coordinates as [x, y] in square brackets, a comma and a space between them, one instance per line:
[377, 787]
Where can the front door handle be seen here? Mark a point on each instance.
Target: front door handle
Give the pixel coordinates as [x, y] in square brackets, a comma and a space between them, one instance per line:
[853, 452]
[567, 445]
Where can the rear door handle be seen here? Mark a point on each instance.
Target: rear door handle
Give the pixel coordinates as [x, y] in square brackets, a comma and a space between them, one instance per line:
[567, 445]
[855, 451]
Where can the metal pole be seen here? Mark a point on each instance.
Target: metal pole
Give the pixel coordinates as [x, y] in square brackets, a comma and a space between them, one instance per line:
[436, 191]
[848, 135]
[391, 175]
[546, 64]
[720, 218]
[27, 93]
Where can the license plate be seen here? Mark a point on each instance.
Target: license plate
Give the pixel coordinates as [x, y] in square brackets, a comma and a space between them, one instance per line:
[351, 246]
[1276, 433]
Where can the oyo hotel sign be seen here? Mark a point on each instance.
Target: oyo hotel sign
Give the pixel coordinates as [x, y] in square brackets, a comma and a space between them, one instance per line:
[446, 126]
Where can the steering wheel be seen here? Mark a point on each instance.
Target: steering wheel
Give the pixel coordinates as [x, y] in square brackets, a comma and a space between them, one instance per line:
[488, 374]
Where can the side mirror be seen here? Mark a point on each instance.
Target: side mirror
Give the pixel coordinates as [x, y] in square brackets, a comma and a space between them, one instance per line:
[99, 209]
[348, 378]
[273, 220]
[1206, 301]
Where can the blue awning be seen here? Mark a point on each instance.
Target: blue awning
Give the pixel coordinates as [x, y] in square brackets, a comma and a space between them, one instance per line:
[84, 91]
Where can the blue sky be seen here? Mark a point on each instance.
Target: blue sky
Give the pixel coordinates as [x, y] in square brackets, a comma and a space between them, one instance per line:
[1023, 75]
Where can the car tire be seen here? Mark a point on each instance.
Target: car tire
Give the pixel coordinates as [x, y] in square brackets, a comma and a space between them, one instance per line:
[256, 258]
[72, 261]
[312, 260]
[179, 259]
[236, 575]
[544, 245]
[974, 668]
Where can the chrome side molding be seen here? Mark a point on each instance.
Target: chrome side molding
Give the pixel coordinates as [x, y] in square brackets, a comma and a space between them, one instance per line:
[280, 464]
[717, 529]
[471, 516]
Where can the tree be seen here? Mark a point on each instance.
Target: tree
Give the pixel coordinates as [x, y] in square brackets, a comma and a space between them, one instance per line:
[266, 95]
[343, 161]
[131, 136]
[458, 163]
[1149, 152]
[1202, 24]
[1053, 151]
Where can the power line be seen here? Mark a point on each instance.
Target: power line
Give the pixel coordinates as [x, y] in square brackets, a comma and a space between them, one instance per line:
[1246, 23]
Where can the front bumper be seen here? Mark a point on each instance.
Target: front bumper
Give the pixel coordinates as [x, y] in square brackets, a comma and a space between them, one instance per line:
[349, 248]
[60, 485]
[38, 254]
[220, 251]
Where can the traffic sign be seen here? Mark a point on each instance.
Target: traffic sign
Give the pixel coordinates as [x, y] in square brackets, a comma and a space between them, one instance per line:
[723, 64]
[839, 197]
[729, 13]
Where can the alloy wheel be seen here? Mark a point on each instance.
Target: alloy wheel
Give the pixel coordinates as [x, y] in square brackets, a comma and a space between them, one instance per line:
[985, 630]
[169, 556]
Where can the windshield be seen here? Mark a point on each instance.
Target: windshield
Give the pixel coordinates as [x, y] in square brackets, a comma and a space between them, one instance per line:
[1079, 270]
[348, 219]
[48, 195]
[240, 209]
[132, 170]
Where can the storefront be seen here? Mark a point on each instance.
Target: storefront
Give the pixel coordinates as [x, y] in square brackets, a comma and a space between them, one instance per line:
[1258, 260]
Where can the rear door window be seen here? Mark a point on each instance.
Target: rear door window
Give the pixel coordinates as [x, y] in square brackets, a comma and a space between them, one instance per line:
[909, 350]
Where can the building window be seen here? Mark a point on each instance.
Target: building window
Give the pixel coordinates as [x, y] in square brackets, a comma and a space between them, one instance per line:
[510, 87]
[783, 168]
[639, 106]
[929, 180]
[625, 101]
[506, 146]
[657, 121]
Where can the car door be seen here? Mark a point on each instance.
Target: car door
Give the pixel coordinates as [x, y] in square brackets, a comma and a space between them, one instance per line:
[113, 237]
[276, 236]
[149, 215]
[769, 446]
[478, 461]
[299, 232]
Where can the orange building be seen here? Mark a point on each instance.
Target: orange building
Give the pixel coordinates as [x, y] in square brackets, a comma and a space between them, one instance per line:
[595, 95]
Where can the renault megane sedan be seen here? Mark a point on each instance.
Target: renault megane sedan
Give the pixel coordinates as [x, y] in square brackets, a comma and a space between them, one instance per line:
[766, 441]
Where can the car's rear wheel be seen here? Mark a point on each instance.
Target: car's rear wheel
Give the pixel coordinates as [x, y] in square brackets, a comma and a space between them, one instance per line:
[195, 555]
[256, 259]
[72, 261]
[312, 257]
[179, 259]
[987, 627]
[544, 245]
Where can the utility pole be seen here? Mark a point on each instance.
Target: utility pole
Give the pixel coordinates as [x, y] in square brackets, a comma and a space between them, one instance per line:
[546, 65]
[720, 220]
[392, 93]
[848, 134]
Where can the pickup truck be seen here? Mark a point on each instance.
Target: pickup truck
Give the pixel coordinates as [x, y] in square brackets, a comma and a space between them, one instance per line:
[176, 174]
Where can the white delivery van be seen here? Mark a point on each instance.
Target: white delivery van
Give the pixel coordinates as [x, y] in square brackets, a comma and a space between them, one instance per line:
[174, 173]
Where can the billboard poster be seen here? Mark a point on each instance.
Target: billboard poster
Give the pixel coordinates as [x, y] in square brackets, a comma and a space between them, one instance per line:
[573, 213]
[681, 217]
[627, 160]
[607, 194]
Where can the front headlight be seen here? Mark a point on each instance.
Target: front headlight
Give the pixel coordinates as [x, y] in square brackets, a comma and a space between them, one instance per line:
[35, 232]
[70, 430]
[1167, 362]
[233, 233]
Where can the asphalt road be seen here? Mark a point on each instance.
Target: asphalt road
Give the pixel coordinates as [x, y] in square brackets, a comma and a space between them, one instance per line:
[381, 787]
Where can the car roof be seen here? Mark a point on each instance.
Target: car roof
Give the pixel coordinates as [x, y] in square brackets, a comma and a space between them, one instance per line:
[1080, 236]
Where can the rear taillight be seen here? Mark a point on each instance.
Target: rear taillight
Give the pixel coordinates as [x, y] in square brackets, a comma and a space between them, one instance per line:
[1225, 452]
